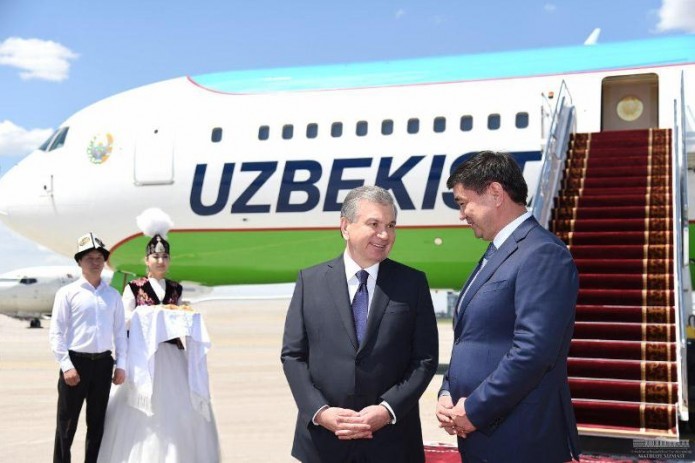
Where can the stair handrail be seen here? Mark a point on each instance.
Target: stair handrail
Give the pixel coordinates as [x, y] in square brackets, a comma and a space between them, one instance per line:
[682, 282]
[554, 154]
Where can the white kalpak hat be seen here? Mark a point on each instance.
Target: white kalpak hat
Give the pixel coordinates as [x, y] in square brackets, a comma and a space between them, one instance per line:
[89, 242]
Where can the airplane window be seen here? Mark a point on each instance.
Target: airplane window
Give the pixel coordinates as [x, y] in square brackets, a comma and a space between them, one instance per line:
[439, 124]
[336, 129]
[44, 145]
[263, 132]
[59, 139]
[27, 281]
[413, 125]
[493, 121]
[312, 130]
[361, 128]
[386, 127]
[287, 131]
[216, 136]
[521, 120]
[466, 123]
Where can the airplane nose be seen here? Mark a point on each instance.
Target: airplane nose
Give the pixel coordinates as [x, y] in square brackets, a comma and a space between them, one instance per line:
[39, 201]
[23, 197]
[5, 194]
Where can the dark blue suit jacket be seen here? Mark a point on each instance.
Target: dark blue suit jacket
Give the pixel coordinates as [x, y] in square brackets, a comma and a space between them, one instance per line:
[324, 364]
[509, 359]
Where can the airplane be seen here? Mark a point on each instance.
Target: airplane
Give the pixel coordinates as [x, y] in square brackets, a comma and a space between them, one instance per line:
[28, 293]
[252, 165]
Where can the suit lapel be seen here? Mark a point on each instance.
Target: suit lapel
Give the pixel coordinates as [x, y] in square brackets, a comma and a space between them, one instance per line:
[458, 308]
[338, 291]
[507, 248]
[485, 273]
[379, 301]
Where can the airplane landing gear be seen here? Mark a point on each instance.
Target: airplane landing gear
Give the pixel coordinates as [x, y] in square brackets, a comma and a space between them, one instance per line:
[35, 323]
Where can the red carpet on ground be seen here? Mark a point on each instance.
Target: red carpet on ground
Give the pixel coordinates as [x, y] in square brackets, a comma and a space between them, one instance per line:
[447, 454]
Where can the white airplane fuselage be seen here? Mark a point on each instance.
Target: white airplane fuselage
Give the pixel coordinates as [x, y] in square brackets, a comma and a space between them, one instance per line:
[29, 292]
[249, 208]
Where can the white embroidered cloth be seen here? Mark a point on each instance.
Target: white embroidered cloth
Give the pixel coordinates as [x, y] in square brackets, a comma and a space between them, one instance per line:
[151, 325]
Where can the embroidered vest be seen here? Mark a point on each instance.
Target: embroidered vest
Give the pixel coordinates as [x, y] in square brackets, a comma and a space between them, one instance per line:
[145, 295]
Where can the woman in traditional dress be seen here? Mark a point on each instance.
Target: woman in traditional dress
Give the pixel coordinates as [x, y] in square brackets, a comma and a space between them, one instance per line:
[173, 430]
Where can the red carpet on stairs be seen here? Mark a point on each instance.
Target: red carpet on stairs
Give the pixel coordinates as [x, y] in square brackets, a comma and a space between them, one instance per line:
[614, 212]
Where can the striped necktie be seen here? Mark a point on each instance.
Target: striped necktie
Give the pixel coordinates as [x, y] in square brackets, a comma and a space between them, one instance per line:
[491, 249]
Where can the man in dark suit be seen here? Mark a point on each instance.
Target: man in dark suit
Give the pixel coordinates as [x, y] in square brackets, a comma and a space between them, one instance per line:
[357, 370]
[506, 393]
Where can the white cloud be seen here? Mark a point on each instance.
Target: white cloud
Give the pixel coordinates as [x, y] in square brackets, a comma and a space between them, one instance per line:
[549, 7]
[400, 13]
[677, 15]
[18, 141]
[38, 59]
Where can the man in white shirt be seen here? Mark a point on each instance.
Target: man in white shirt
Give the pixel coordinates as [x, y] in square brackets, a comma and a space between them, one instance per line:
[87, 323]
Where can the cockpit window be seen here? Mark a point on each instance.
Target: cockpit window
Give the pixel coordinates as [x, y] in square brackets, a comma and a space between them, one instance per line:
[27, 281]
[59, 139]
[44, 145]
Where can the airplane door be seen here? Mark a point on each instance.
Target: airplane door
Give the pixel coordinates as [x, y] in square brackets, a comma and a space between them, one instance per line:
[630, 102]
[154, 157]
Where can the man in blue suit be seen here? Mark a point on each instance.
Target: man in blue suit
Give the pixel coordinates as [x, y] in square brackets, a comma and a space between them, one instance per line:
[506, 394]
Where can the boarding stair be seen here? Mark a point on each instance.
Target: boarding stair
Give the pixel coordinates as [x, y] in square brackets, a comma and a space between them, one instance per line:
[615, 212]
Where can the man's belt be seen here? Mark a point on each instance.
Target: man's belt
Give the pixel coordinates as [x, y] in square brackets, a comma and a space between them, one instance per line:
[87, 355]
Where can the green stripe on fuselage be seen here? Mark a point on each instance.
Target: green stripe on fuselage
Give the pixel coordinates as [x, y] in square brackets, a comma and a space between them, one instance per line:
[270, 256]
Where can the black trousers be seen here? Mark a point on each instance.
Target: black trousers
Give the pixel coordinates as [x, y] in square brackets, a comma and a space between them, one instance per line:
[94, 387]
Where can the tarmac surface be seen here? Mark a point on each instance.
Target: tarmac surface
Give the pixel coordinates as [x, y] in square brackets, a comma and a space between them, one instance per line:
[252, 403]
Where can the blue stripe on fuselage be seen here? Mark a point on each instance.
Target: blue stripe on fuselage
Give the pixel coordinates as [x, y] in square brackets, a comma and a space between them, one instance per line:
[620, 55]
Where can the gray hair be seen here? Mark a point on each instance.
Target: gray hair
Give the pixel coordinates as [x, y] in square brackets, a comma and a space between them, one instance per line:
[371, 193]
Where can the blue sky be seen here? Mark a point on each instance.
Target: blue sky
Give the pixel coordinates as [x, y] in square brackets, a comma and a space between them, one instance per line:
[58, 57]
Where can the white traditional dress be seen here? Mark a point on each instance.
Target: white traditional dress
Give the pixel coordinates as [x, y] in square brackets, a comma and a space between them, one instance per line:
[162, 413]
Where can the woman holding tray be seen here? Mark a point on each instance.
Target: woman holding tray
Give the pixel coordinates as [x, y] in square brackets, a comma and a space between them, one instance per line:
[163, 424]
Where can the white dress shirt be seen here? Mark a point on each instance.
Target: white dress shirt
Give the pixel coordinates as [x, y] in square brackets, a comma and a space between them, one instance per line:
[89, 320]
[507, 231]
[351, 269]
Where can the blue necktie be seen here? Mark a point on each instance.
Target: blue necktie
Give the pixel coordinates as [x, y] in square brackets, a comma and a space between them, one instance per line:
[360, 305]
[491, 249]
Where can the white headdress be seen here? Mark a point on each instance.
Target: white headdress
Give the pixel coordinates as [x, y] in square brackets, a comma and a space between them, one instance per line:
[154, 221]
